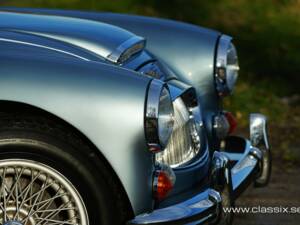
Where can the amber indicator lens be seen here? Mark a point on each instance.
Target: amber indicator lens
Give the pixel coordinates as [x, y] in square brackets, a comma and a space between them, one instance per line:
[163, 182]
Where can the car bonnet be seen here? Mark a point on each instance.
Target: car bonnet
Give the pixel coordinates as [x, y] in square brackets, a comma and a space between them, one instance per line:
[106, 41]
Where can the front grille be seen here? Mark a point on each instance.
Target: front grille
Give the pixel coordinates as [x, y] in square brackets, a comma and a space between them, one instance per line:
[183, 146]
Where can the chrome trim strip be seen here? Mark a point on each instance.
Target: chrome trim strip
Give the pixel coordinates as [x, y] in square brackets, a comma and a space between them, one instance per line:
[152, 113]
[224, 42]
[133, 42]
[221, 64]
[224, 83]
[41, 46]
[154, 92]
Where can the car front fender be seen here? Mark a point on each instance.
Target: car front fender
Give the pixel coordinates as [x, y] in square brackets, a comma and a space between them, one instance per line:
[104, 102]
[188, 50]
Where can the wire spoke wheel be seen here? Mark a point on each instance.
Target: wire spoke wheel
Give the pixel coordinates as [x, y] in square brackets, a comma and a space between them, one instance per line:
[32, 193]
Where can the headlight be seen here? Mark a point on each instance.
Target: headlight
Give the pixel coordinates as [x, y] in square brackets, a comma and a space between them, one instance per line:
[227, 66]
[184, 144]
[159, 118]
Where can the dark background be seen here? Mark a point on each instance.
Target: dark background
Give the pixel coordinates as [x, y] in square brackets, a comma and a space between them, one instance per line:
[267, 36]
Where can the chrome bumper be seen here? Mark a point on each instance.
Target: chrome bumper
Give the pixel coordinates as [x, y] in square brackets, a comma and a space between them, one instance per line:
[233, 169]
[202, 207]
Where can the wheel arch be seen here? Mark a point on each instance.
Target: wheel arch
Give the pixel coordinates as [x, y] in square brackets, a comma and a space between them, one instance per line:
[7, 106]
[104, 102]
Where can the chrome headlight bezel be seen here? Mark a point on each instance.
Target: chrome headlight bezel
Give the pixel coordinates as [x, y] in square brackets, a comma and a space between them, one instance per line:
[158, 127]
[226, 66]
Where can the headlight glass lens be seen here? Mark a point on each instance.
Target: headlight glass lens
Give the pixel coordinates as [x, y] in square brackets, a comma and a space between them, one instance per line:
[165, 117]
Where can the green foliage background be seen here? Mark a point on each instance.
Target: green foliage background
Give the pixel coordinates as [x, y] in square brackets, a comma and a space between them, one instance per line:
[267, 35]
[267, 32]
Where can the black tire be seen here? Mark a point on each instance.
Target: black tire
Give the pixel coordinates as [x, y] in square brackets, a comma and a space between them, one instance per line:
[45, 140]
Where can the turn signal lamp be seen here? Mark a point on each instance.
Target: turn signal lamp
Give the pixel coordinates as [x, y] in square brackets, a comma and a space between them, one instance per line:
[163, 182]
[232, 122]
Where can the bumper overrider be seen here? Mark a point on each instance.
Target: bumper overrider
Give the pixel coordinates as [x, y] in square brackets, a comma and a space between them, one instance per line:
[239, 164]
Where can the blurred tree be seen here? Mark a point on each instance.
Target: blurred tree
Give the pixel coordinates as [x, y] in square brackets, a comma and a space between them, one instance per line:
[266, 32]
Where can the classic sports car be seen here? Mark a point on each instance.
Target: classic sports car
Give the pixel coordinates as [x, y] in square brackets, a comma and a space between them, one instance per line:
[117, 119]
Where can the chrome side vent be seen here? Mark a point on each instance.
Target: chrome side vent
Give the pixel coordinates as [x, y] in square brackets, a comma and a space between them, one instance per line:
[127, 49]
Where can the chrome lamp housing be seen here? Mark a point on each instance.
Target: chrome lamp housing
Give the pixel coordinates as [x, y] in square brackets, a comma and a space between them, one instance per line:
[226, 67]
[173, 124]
[159, 116]
[186, 141]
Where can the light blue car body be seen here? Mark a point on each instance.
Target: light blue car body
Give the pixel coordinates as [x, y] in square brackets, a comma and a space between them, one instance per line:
[57, 64]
